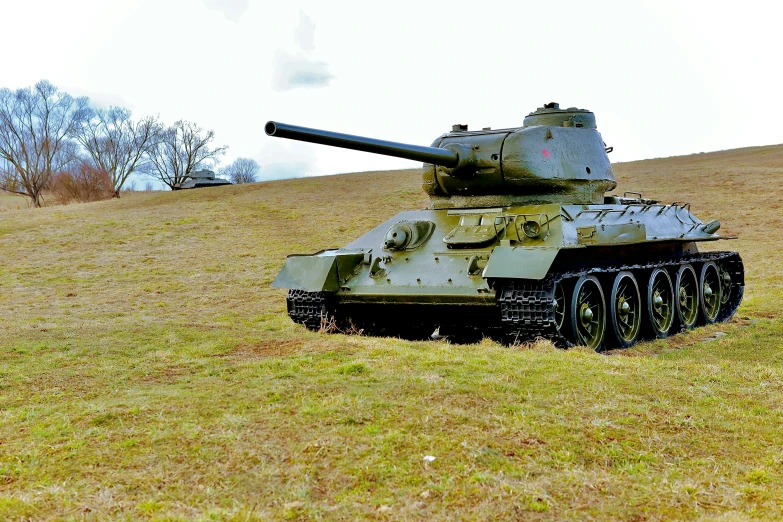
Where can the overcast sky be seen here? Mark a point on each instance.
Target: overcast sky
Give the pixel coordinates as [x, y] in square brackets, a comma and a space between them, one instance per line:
[664, 78]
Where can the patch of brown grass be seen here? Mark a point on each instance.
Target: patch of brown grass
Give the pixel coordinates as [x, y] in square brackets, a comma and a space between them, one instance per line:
[269, 348]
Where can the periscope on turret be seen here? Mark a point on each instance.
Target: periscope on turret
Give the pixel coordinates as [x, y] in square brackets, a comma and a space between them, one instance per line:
[520, 241]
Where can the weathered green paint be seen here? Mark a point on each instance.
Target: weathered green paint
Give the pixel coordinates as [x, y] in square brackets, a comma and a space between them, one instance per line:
[614, 234]
[557, 156]
[520, 262]
[535, 164]
[324, 271]
[505, 204]
[466, 239]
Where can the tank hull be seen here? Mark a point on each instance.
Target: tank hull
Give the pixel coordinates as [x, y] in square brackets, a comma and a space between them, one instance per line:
[495, 271]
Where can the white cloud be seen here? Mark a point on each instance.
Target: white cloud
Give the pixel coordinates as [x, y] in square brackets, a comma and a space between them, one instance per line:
[273, 171]
[281, 159]
[231, 9]
[98, 99]
[305, 33]
[292, 71]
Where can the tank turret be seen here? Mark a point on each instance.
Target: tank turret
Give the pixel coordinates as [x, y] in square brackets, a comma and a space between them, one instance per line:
[557, 156]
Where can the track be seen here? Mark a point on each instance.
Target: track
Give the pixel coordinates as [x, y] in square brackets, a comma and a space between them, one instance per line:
[525, 307]
[309, 308]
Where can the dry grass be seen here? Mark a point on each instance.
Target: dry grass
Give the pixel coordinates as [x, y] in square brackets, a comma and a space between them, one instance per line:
[10, 201]
[149, 372]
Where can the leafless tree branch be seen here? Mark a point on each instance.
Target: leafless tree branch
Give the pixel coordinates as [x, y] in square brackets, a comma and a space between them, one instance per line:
[242, 170]
[116, 144]
[36, 126]
[181, 150]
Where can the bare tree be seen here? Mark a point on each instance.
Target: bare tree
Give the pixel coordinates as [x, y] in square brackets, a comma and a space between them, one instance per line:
[181, 150]
[116, 144]
[36, 124]
[243, 170]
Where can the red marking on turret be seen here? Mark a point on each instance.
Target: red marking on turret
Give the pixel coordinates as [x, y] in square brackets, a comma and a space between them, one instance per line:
[545, 153]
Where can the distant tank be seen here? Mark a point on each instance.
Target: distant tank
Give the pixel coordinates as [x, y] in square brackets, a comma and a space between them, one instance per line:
[519, 242]
[200, 179]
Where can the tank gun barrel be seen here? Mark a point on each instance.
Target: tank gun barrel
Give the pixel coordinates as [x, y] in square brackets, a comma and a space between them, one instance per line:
[434, 155]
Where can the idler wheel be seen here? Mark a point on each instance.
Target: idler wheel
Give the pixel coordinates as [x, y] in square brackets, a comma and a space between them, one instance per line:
[625, 314]
[686, 291]
[660, 303]
[710, 292]
[560, 307]
[732, 287]
[725, 285]
[588, 313]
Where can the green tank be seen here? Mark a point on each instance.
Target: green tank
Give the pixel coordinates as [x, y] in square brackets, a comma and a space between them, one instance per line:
[520, 241]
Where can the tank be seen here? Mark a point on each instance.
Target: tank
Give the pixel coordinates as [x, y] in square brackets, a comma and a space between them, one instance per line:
[520, 242]
[200, 179]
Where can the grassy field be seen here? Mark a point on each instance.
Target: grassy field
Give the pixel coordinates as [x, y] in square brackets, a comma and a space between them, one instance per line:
[13, 202]
[149, 372]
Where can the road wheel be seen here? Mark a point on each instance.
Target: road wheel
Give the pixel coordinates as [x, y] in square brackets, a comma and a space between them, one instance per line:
[588, 313]
[660, 303]
[625, 314]
[710, 291]
[687, 292]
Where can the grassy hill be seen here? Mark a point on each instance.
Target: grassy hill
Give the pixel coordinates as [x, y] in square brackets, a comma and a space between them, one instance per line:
[149, 372]
[10, 201]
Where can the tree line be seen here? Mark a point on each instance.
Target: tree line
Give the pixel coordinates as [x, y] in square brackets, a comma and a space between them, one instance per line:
[48, 135]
